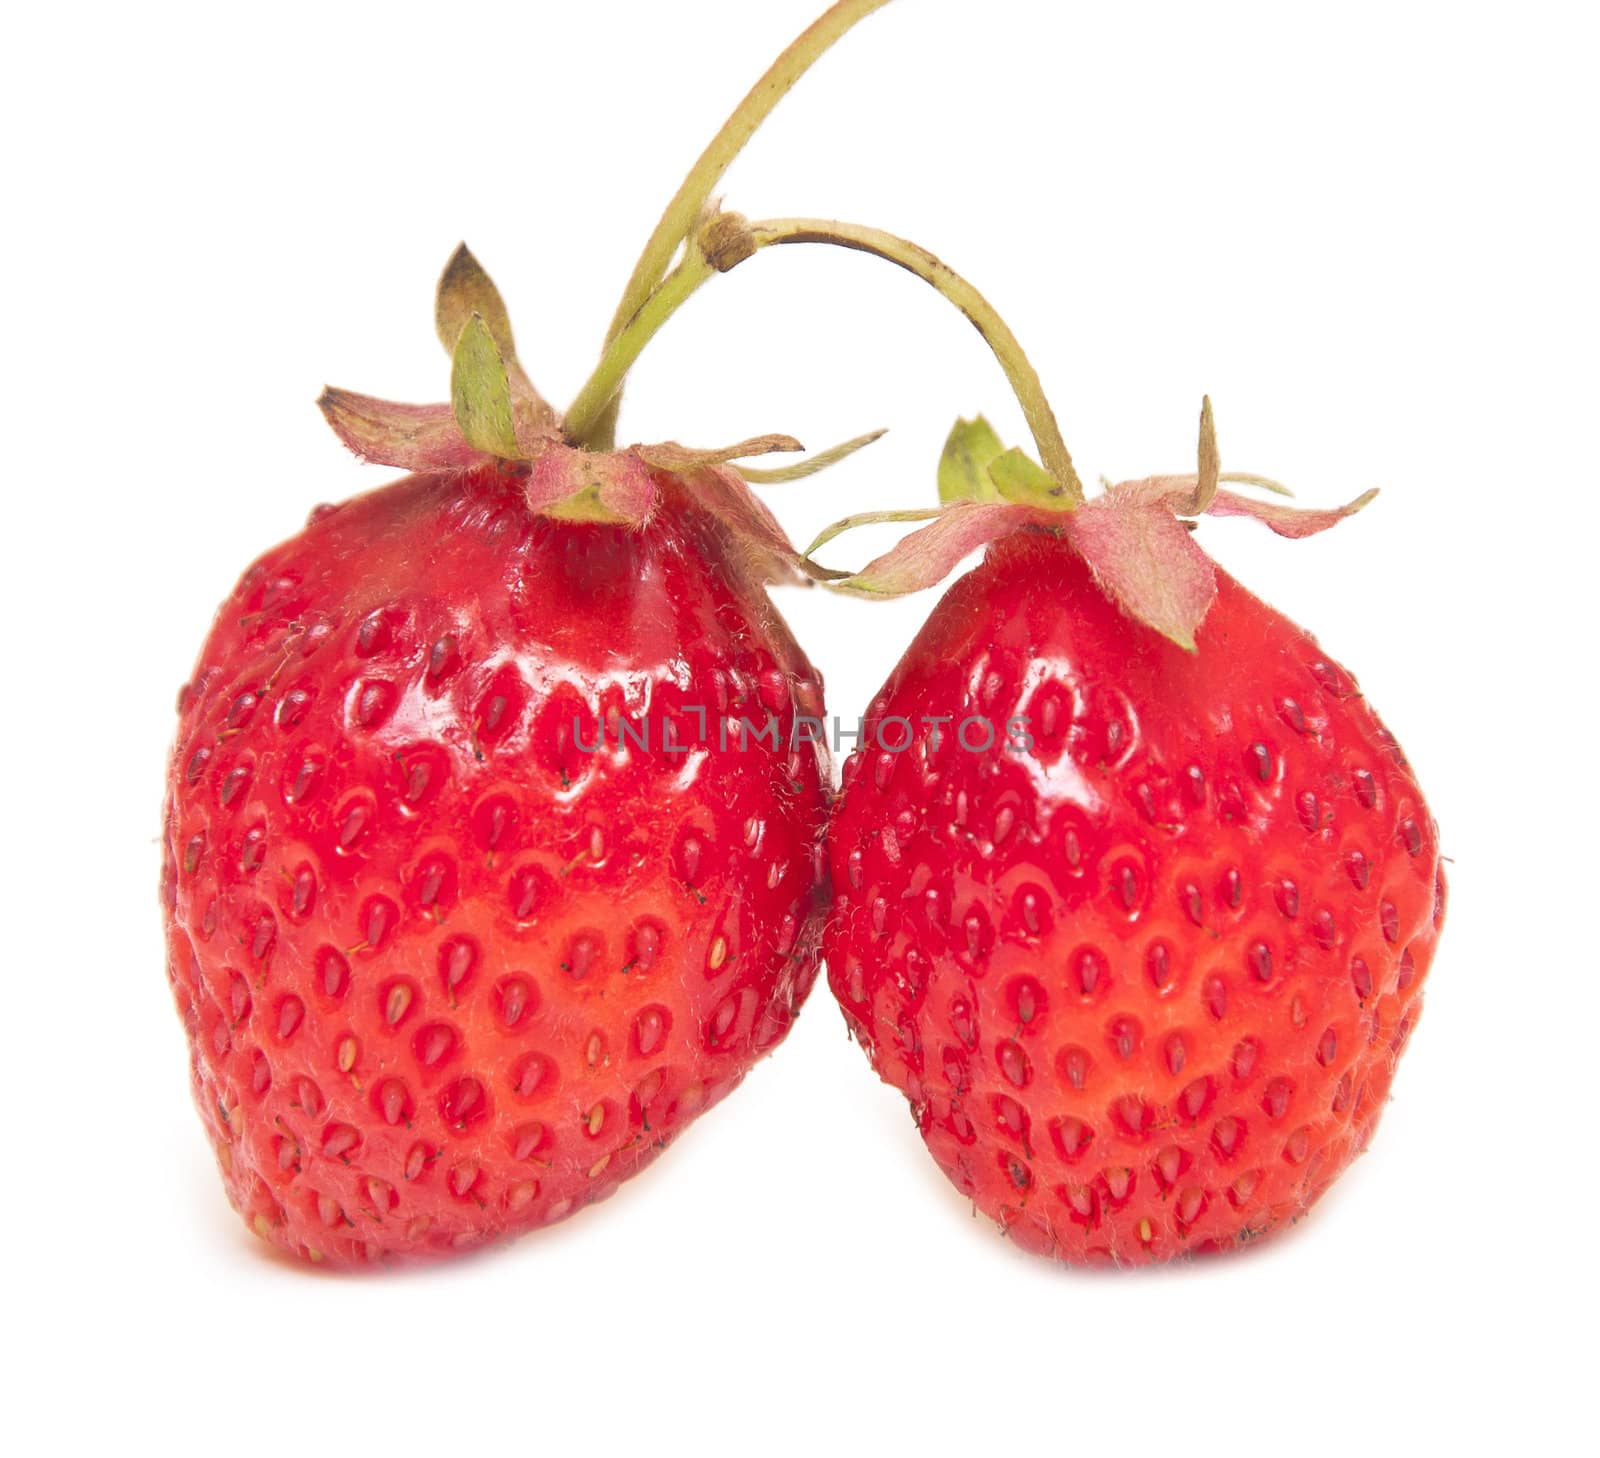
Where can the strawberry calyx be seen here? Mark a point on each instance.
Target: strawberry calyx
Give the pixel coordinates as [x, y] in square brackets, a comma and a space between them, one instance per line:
[1136, 536]
[571, 468]
[496, 417]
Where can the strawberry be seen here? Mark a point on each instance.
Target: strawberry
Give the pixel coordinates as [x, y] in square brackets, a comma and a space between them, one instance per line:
[477, 889]
[1134, 895]
[493, 823]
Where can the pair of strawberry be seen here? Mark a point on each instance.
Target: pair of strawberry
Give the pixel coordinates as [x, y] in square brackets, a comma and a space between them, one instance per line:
[496, 849]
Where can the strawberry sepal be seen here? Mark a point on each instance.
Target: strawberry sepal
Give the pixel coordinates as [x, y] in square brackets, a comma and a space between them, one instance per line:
[1136, 536]
[495, 416]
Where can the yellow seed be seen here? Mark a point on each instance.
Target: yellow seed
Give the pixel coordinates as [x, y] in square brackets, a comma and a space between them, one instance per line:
[597, 1117]
[399, 1001]
[524, 1194]
[719, 953]
[594, 1050]
[262, 1227]
[1145, 1231]
[599, 1168]
[347, 1054]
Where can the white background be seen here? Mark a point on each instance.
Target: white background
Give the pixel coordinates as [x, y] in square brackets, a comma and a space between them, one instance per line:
[1367, 230]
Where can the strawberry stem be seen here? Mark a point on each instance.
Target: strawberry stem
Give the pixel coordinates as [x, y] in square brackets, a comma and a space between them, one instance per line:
[980, 313]
[716, 249]
[682, 214]
[591, 417]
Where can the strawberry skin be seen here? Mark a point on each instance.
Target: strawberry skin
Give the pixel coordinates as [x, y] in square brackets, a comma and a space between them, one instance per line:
[1145, 984]
[446, 975]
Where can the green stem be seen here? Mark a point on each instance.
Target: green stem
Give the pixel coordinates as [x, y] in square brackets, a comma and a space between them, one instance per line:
[1020, 373]
[595, 405]
[683, 212]
[604, 386]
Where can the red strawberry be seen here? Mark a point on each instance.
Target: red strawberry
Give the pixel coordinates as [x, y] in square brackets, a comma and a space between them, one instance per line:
[493, 846]
[449, 968]
[1144, 965]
